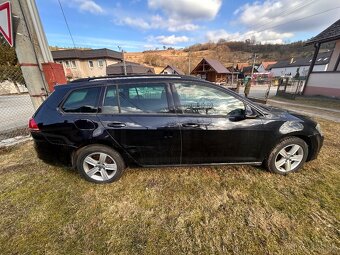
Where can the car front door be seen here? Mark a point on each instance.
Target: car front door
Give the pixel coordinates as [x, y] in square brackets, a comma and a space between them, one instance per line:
[213, 126]
[140, 117]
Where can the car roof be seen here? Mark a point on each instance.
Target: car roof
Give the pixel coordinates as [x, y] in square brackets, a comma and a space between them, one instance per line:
[129, 78]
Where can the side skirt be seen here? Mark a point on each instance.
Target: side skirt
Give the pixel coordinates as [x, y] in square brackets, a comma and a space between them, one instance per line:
[206, 164]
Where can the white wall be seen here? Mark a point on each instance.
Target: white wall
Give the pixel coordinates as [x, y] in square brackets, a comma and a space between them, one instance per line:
[291, 71]
[168, 70]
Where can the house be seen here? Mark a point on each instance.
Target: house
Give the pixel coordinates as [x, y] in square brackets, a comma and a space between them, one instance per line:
[264, 66]
[211, 70]
[247, 70]
[86, 63]
[240, 66]
[233, 75]
[169, 69]
[289, 68]
[131, 68]
[325, 82]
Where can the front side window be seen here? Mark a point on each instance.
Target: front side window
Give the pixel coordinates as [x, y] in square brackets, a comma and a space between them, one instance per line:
[82, 100]
[148, 98]
[205, 100]
[90, 63]
[67, 63]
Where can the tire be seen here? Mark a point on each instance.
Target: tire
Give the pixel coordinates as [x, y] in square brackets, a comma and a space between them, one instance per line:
[99, 164]
[287, 156]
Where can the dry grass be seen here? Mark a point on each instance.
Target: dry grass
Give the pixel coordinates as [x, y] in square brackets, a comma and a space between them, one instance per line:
[208, 210]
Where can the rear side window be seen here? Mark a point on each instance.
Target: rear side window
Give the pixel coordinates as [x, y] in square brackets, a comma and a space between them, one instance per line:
[82, 100]
[143, 98]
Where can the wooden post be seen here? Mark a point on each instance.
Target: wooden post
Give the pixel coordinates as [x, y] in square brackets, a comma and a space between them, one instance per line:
[316, 52]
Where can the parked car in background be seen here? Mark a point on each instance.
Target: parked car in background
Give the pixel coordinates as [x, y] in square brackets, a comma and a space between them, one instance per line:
[105, 124]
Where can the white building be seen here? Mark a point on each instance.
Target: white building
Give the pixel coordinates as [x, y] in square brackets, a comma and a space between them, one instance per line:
[172, 70]
[265, 66]
[325, 82]
[289, 68]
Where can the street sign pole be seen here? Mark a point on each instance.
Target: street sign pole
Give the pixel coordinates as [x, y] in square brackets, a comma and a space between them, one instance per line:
[28, 49]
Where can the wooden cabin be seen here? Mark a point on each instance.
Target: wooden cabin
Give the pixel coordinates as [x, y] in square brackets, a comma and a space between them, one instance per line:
[211, 70]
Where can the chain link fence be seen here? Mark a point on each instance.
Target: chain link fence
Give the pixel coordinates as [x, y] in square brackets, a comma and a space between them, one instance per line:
[15, 104]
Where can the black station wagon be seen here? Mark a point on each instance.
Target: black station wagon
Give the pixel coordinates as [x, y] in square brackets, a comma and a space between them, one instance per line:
[104, 124]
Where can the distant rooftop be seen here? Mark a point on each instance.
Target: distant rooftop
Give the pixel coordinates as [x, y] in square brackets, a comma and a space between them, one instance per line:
[331, 33]
[178, 71]
[322, 59]
[86, 54]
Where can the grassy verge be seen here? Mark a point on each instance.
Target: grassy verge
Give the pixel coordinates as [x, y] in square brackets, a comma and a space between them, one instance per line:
[313, 101]
[207, 210]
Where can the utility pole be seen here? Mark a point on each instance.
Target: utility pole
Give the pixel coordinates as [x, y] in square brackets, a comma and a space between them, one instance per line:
[232, 75]
[189, 64]
[31, 48]
[252, 69]
[124, 65]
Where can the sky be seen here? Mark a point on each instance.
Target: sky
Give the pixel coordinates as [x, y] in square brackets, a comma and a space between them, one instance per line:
[139, 25]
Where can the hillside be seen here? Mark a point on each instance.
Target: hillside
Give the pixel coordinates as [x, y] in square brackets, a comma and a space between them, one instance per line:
[228, 53]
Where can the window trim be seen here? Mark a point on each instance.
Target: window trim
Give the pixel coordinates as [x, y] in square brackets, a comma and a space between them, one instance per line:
[60, 106]
[88, 62]
[171, 105]
[208, 84]
[102, 60]
[67, 65]
[75, 64]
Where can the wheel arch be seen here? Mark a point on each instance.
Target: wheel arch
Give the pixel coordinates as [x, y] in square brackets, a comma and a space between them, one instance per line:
[127, 159]
[305, 138]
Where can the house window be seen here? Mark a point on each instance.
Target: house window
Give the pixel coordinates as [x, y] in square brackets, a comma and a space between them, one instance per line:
[73, 64]
[100, 63]
[90, 63]
[67, 64]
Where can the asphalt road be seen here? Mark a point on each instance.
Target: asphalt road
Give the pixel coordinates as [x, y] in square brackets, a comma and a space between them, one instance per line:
[15, 111]
[259, 91]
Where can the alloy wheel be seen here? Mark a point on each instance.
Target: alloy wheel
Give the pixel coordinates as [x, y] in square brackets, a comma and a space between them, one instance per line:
[100, 166]
[289, 158]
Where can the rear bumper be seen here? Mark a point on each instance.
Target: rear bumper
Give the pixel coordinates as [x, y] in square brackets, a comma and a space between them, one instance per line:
[315, 146]
[51, 153]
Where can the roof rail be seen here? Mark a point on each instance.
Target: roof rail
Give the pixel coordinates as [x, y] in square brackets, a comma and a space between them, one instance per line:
[134, 76]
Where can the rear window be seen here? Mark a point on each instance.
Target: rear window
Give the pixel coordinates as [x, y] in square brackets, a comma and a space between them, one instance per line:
[82, 100]
[143, 98]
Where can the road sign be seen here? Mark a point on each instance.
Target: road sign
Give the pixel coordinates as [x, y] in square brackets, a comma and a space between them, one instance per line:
[6, 22]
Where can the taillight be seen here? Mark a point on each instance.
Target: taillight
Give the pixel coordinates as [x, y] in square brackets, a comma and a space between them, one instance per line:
[32, 125]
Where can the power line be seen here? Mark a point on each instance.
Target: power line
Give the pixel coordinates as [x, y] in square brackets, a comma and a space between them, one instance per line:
[289, 12]
[315, 14]
[68, 28]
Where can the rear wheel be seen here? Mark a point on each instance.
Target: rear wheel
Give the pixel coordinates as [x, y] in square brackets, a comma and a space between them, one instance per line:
[288, 156]
[99, 164]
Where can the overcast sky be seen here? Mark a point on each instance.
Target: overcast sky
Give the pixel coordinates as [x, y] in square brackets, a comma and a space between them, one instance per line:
[138, 25]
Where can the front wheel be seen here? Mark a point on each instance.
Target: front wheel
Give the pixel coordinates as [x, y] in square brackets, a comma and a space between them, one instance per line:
[99, 164]
[288, 156]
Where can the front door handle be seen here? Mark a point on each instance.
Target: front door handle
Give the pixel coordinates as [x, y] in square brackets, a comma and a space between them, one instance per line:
[190, 125]
[116, 124]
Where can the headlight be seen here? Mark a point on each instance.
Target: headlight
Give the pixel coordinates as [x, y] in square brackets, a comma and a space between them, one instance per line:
[318, 128]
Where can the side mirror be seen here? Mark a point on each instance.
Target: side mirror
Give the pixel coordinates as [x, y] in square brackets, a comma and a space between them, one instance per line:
[250, 113]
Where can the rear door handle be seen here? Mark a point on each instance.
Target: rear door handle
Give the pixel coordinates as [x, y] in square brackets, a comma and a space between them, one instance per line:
[116, 124]
[190, 125]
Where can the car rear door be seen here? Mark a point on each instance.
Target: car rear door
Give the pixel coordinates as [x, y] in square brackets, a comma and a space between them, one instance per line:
[140, 117]
[210, 131]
